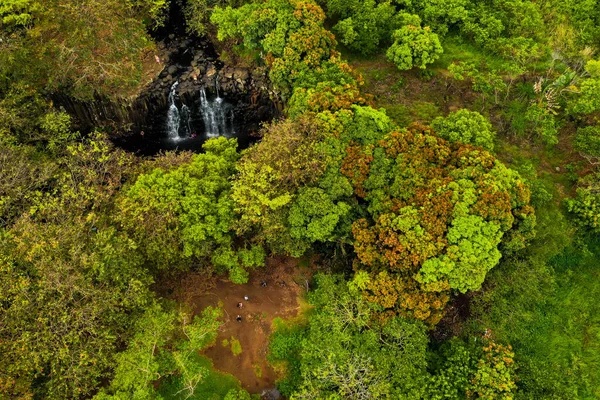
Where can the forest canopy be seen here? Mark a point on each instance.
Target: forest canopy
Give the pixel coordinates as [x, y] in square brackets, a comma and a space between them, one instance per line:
[430, 174]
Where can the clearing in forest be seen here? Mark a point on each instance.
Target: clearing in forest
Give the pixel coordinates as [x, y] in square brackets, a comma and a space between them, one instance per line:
[285, 282]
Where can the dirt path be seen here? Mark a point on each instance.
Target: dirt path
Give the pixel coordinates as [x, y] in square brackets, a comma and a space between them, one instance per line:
[277, 299]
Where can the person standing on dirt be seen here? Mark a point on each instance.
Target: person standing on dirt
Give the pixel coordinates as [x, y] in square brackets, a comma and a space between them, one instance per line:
[240, 305]
[246, 298]
[238, 318]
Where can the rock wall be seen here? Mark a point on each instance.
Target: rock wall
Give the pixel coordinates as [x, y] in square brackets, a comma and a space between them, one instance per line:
[194, 64]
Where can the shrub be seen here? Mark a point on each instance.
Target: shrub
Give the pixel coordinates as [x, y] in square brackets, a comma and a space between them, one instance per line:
[414, 46]
[466, 126]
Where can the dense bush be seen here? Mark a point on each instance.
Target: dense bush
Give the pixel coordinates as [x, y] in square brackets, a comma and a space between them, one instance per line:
[414, 46]
[363, 359]
[466, 126]
[428, 227]
[586, 205]
[587, 141]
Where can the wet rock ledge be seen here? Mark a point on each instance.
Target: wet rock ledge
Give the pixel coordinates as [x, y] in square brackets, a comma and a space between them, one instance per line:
[195, 64]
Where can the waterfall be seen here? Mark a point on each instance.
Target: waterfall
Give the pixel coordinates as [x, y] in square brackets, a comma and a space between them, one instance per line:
[173, 118]
[217, 116]
[178, 120]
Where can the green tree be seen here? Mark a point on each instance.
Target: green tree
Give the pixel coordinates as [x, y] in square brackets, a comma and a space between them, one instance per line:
[290, 33]
[494, 377]
[586, 204]
[71, 282]
[314, 216]
[364, 359]
[100, 45]
[588, 100]
[435, 223]
[154, 355]
[472, 252]
[24, 172]
[441, 14]
[487, 81]
[269, 175]
[68, 296]
[198, 12]
[587, 141]
[140, 365]
[369, 25]
[191, 207]
[542, 122]
[414, 46]
[466, 369]
[466, 126]
[453, 367]
[17, 13]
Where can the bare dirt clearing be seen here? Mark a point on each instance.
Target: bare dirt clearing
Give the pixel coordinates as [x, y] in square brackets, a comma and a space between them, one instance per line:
[285, 282]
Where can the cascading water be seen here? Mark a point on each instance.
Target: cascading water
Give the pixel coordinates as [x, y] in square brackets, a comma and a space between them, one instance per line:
[173, 118]
[178, 120]
[196, 97]
[217, 116]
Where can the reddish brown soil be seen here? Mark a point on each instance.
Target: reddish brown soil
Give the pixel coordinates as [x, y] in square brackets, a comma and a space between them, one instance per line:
[198, 291]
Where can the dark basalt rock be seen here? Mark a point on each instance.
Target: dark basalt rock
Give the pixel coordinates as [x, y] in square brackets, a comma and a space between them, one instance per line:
[195, 65]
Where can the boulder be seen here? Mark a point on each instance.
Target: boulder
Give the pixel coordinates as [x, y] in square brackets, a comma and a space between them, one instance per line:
[210, 71]
[241, 74]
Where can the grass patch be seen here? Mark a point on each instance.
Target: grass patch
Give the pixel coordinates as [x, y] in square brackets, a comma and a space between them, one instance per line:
[541, 302]
[304, 262]
[424, 111]
[260, 316]
[456, 49]
[257, 370]
[236, 347]
[399, 114]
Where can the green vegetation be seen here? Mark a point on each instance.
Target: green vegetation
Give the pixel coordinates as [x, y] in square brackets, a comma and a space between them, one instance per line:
[448, 194]
[466, 126]
[215, 385]
[414, 47]
[362, 359]
[257, 370]
[236, 347]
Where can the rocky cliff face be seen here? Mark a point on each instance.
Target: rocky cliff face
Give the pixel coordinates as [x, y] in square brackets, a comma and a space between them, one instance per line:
[195, 65]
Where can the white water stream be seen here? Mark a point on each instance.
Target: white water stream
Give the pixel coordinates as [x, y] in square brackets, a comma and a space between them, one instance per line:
[216, 114]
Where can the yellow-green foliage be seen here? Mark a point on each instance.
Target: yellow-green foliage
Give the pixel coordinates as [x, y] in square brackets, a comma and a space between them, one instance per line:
[414, 46]
[236, 347]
